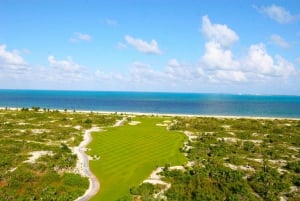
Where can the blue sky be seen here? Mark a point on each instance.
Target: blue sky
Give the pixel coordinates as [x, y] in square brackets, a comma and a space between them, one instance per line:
[208, 46]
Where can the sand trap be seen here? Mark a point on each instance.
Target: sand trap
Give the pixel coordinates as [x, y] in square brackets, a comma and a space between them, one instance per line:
[133, 123]
[165, 125]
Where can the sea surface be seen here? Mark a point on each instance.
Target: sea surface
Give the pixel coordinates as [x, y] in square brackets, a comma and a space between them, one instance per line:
[156, 102]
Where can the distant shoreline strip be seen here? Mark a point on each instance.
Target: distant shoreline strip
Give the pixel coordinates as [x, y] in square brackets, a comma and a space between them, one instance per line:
[161, 114]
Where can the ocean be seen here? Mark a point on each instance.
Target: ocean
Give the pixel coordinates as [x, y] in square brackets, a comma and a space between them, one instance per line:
[156, 102]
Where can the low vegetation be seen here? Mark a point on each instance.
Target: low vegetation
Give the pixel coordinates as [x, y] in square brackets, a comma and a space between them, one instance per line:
[198, 158]
[236, 159]
[49, 135]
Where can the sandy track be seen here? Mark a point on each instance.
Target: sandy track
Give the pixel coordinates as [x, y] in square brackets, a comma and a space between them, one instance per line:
[83, 166]
[120, 122]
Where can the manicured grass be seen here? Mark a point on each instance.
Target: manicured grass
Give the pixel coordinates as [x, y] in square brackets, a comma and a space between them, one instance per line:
[130, 153]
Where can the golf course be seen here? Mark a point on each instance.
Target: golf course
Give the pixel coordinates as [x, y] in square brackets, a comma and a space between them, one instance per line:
[129, 153]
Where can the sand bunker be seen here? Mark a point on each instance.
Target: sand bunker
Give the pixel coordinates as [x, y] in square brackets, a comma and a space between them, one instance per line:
[133, 123]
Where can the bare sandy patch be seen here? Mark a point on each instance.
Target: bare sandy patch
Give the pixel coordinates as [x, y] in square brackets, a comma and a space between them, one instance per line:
[254, 141]
[239, 167]
[259, 160]
[77, 127]
[190, 135]
[39, 131]
[228, 139]
[22, 123]
[36, 155]
[226, 126]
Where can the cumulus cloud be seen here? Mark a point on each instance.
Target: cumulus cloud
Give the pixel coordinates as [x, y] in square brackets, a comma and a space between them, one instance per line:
[77, 37]
[217, 54]
[67, 65]
[143, 76]
[12, 61]
[11, 58]
[109, 76]
[66, 69]
[144, 73]
[218, 63]
[216, 57]
[278, 13]
[218, 33]
[231, 76]
[181, 72]
[278, 40]
[143, 46]
[260, 62]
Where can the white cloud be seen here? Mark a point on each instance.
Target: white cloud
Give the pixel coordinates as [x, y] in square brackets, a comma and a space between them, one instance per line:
[216, 57]
[277, 13]
[231, 76]
[278, 40]
[181, 72]
[144, 73]
[104, 76]
[65, 65]
[10, 58]
[11, 62]
[65, 70]
[77, 37]
[260, 62]
[173, 63]
[143, 46]
[217, 54]
[218, 63]
[218, 33]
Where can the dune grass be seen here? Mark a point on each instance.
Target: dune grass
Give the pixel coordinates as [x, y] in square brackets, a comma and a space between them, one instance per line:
[130, 153]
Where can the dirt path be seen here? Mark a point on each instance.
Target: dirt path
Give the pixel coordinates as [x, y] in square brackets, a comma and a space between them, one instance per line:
[120, 122]
[83, 166]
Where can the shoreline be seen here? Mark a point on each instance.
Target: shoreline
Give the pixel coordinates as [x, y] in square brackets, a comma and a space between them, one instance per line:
[164, 114]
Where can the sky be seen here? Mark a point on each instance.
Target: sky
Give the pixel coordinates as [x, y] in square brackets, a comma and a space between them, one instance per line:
[203, 46]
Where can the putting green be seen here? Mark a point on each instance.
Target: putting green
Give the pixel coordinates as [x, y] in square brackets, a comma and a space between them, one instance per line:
[130, 153]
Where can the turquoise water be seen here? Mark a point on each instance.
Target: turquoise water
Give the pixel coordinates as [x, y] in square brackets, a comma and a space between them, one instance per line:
[170, 103]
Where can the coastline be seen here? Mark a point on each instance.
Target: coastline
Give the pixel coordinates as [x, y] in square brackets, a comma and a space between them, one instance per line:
[163, 114]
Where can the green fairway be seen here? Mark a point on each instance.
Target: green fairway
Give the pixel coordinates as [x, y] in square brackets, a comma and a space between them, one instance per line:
[130, 153]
